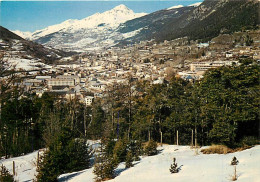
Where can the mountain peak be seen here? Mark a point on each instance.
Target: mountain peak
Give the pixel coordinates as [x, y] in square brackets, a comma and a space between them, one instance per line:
[121, 7]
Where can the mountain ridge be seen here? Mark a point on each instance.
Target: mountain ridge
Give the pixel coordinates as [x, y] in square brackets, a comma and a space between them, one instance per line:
[120, 25]
[10, 42]
[90, 21]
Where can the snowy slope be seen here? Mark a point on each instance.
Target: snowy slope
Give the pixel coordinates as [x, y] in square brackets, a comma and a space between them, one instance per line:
[198, 168]
[27, 64]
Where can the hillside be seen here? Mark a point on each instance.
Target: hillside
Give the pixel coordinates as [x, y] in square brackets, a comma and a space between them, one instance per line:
[151, 23]
[16, 48]
[6, 35]
[212, 18]
[203, 22]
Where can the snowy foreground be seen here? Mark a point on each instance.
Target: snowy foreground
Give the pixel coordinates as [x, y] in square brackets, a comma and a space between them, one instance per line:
[198, 168]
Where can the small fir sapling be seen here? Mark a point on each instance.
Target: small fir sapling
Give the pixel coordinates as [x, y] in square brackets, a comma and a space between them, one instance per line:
[234, 161]
[174, 166]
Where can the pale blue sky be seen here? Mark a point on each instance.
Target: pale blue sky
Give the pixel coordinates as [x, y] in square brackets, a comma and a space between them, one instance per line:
[35, 15]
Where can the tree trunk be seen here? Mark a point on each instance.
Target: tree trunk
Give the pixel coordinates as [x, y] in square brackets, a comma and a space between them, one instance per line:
[196, 137]
[161, 137]
[13, 168]
[112, 118]
[85, 124]
[192, 138]
[177, 137]
[149, 134]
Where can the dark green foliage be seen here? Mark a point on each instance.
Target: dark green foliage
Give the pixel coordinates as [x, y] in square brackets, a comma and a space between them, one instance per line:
[246, 61]
[249, 40]
[109, 146]
[174, 166]
[151, 148]
[229, 103]
[5, 176]
[19, 127]
[30, 123]
[129, 160]
[104, 168]
[65, 154]
[249, 141]
[80, 154]
[234, 161]
[223, 108]
[96, 126]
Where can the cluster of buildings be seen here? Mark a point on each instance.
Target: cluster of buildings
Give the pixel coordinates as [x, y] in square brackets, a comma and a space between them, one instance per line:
[88, 75]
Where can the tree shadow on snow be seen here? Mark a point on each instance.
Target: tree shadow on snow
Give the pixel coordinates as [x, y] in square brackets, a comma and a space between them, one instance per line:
[66, 178]
[179, 168]
[136, 163]
[119, 171]
[159, 151]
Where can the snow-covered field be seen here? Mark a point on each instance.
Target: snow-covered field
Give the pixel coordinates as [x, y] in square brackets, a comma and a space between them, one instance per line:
[198, 168]
[27, 64]
[25, 166]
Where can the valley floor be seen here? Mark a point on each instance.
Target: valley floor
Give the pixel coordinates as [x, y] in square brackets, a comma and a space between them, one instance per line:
[198, 168]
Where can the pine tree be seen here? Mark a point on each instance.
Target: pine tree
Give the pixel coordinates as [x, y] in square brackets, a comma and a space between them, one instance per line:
[151, 148]
[136, 149]
[120, 150]
[65, 154]
[104, 169]
[174, 166]
[79, 153]
[109, 146]
[5, 176]
[129, 160]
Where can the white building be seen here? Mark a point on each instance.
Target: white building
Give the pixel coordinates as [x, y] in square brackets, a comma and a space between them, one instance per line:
[203, 66]
[61, 82]
[89, 100]
[69, 77]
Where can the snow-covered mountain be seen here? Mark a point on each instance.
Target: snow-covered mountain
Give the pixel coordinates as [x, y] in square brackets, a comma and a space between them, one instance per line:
[121, 26]
[93, 32]
[103, 30]
[27, 55]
